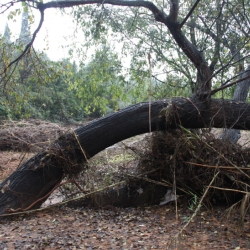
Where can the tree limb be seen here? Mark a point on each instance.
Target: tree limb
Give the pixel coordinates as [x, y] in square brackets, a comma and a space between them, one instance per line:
[189, 14]
[27, 48]
[229, 64]
[228, 85]
[174, 10]
[159, 15]
[203, 71]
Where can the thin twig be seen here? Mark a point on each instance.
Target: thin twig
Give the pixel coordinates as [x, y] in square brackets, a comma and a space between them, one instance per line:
[219, 167]
[198, 206]
[63, 202]
[10, 210]
[149, 100]
[174, 174]
[149, 180]
[221, 155]
[28, 46]
[83, 151]
[228, 64]
[228, 85]
[230, 189]
[20, 211]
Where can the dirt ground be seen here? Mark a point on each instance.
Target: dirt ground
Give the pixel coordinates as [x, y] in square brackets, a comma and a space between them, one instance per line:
[154, 227]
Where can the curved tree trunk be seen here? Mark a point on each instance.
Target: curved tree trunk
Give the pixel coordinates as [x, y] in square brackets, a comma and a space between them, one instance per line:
[38, 176]
[31, 184]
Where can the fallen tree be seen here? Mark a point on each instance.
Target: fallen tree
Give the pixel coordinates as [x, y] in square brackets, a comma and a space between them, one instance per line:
[31, 184]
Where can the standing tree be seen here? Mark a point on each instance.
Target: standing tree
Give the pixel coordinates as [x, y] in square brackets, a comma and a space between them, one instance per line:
[206, 43]
[24, 38]
[99, 84]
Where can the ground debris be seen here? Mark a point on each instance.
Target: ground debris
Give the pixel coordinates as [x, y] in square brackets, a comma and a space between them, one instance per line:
[177, 154]
[133, 228]
[30, 135]
[193, 160]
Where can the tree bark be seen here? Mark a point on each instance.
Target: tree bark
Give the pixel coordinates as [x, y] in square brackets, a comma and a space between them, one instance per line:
[31, 184]
[240, 94]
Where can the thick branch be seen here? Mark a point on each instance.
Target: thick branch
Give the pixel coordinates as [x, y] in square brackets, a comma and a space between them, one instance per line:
[159, 15]
[174, 9]
[192, 53]
[209, 32]
[189, 13]
[217, 42]
[204, 74]
[242, 89]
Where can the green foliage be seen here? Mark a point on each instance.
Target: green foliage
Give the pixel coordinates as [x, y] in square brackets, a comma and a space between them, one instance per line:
[117, 73]
[37, 89]
[40, 88]
[137, 36]
[218, 30]
[99, 84]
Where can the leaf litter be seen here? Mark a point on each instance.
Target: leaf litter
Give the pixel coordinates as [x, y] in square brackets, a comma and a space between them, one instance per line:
[147, 227]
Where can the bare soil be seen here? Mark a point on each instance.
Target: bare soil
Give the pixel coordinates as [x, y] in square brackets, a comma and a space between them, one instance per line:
[154, 227]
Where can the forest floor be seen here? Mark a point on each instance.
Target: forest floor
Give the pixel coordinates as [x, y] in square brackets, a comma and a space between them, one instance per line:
[152, 227]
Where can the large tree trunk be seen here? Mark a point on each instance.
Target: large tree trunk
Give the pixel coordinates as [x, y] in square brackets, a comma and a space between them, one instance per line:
[240, 94]
[30, 185]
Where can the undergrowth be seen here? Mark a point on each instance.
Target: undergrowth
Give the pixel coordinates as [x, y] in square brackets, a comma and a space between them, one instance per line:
[190, 164]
